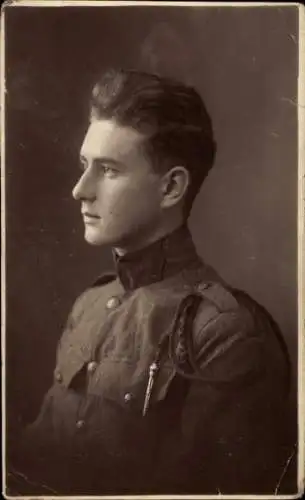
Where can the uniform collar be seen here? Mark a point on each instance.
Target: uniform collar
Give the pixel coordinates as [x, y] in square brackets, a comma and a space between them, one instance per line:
[158, 261]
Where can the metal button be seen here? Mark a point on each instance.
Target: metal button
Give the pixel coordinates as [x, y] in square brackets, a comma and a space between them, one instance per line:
[204, 286]
[92, 366]
[80, 424]
[113, 302]
[127, 397]
[58, 376]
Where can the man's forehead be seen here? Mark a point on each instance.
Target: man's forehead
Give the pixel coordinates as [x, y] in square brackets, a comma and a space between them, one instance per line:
[107, 138]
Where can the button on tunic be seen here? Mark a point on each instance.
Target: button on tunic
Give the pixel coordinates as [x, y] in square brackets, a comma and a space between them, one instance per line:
[127, 397]
[112, 303]
[92, 366]
[58, 376]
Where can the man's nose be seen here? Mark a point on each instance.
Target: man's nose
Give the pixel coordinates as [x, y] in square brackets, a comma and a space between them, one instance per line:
[85, 187]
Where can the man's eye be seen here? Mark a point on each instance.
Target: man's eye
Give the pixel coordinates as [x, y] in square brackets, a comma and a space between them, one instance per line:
[109, 171]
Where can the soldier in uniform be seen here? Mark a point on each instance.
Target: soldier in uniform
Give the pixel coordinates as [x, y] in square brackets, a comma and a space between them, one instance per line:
[167, 380]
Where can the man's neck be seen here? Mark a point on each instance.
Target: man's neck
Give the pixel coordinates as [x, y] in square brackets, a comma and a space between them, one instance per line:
[147, 240]
[172, 254]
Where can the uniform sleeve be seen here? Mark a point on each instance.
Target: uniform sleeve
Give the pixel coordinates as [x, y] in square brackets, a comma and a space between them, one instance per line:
[231, 417]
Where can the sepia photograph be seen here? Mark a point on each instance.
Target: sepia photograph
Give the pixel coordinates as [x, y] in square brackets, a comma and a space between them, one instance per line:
[151, 180]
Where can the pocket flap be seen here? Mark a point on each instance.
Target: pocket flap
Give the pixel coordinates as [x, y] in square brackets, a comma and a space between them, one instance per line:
[122, 383]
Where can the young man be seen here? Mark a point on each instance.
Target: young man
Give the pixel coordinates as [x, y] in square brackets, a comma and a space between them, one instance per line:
[167, 380]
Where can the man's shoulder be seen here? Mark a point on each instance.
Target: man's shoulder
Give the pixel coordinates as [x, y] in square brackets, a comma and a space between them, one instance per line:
[101, 286]
[232, 328]
[219, 309]
[215, 297]
[235, 303]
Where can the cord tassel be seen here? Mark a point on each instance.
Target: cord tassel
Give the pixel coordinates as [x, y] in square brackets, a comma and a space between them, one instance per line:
[153, 369]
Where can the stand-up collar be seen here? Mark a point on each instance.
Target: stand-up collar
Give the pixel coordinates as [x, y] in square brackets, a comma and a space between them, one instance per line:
[158, 261]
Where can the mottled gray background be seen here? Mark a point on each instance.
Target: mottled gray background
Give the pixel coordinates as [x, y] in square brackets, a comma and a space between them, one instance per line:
[243, 61]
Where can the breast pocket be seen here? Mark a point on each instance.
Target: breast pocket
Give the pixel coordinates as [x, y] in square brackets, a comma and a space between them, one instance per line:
[119, 388]
[123, 383]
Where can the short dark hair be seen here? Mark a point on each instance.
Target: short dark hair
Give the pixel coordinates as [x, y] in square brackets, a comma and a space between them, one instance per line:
[170, 114]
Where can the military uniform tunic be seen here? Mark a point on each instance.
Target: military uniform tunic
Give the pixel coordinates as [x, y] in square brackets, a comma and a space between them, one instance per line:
[216, 430]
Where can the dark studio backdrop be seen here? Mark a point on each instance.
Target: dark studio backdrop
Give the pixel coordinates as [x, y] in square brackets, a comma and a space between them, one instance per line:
[244, 61]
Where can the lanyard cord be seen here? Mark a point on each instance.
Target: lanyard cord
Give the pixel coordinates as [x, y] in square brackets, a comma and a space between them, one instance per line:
[179, 343]
[181, 339]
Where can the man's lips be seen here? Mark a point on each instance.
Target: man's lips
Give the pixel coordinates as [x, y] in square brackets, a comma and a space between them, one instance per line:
[89, 217]
[90, 214]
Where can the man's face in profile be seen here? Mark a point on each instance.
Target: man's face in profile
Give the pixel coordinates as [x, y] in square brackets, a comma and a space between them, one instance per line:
[120, 193]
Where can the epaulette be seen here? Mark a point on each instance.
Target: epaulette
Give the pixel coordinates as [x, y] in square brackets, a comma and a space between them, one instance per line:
[218, 294]
[103, 279]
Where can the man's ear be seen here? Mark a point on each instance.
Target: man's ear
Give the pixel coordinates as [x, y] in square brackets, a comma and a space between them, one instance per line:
[174, 186]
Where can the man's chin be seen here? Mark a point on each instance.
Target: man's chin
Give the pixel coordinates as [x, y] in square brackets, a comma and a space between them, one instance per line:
[96, 239]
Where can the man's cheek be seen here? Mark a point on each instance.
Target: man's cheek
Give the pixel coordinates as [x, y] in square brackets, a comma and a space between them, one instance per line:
[118, 211]
[123, 201]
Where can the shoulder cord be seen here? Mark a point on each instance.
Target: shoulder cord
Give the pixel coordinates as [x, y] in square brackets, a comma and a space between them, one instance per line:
[181, 348]
[179, 341]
